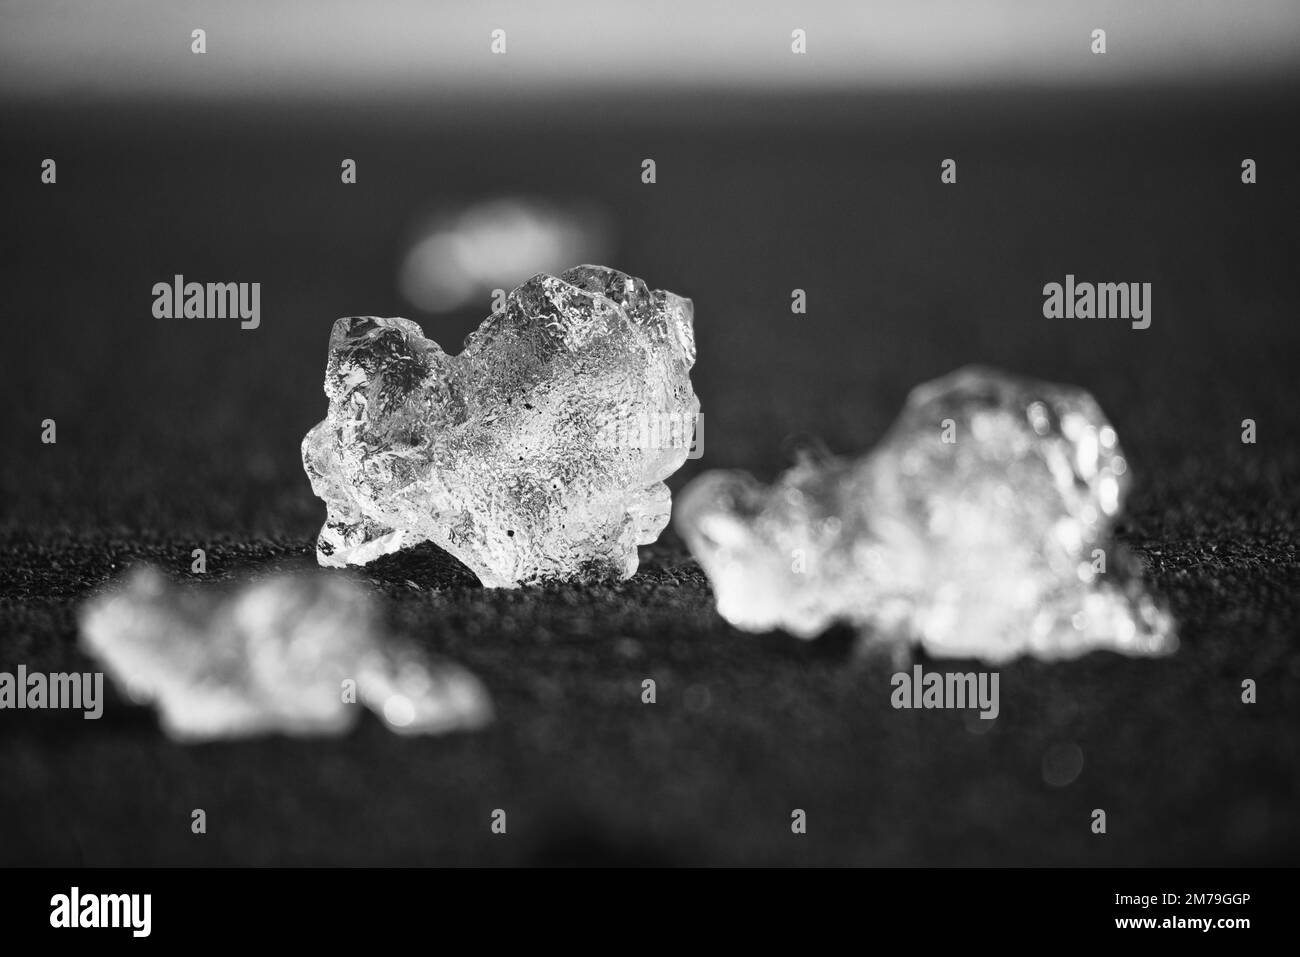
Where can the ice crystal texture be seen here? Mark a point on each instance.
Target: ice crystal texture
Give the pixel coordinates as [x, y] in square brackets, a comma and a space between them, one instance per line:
[520, 456]
[273, 656]
[976, 528]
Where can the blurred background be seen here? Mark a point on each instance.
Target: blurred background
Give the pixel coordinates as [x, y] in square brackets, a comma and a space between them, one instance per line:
[775, 171]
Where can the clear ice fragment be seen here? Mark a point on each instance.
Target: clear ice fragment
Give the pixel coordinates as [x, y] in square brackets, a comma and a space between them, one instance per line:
[514, 455]
[273, 656]
[977, 528]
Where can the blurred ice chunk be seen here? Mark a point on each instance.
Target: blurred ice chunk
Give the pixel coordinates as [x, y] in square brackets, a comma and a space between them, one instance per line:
[463, 254]
[977, 528]
[290, 653]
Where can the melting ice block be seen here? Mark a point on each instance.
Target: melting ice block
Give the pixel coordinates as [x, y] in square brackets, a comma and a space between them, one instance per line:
[977, 528]
[275, 655]
[521, 456]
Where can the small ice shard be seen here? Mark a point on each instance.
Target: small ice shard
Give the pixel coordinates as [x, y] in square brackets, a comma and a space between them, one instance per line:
[977, 528]
[276, 655]
[514, 455]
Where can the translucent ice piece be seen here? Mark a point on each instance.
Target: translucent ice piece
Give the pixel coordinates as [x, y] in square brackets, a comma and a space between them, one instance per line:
[275, 655]
[977, 528]
[501, 455]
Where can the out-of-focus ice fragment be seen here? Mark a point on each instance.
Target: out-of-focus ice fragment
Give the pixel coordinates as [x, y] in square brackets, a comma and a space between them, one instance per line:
[290, 653]
[977, 528]
[465, 252]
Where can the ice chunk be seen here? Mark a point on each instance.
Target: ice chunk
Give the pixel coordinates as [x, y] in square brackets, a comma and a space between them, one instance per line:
[977, 528]
[510, 455]
[290, 653]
